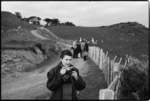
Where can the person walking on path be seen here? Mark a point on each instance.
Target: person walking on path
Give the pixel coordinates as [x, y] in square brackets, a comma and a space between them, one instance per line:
[82, 47]
[75, 50]
[78, 48]
[85, 50]
[64, 80]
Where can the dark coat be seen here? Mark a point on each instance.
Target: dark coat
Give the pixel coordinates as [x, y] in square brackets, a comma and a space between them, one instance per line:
[55, 81]
[86, 47]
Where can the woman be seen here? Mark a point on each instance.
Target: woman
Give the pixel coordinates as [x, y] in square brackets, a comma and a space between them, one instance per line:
[85, 50]
[64, 79]
[74, 47]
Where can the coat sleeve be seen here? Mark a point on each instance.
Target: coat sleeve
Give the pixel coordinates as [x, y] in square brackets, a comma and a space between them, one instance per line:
[54, 80]
[79, 83]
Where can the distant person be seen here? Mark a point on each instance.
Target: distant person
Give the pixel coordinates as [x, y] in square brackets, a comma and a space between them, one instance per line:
[75, 50]
[85, 51]
[88, 41]
[94, 41]
[86, 47]
[78, 48]
[82, 47]
[64, 80]
[80, 39]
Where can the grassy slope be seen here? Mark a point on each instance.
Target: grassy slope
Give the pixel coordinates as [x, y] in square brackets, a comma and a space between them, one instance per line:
[10, 21]
[20, 39]
[22, 36]
[119, 39]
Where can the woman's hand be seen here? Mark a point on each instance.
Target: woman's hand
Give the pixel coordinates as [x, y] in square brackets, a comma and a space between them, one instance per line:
[63, 71]
[74, 74]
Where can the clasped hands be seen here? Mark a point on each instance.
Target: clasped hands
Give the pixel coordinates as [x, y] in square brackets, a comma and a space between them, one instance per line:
[65, 69]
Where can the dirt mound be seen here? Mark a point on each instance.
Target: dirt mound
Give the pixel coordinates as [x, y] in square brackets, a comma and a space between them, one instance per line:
[20, 57]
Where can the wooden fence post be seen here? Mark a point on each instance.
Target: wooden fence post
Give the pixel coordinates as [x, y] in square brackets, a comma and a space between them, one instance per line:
[98, 56]
[106, 69]
[101, 58]
[111, 71]
[106, 54]
[125, 63]
[108, 72]
[120, 60]
[115, 58]
[103, 61]
[95, 54]
[89, 53]
[92, 53]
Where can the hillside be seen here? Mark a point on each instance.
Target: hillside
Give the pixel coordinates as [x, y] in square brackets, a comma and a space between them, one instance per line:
[21, 51]
[16, 36]
[119, 39]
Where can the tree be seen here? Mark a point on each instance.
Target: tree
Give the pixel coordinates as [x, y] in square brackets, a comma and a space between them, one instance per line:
[35, 20]
[18, 14]
[69, 23]
[25, 19]
[55, 21]
[38, 20]
[48, 21]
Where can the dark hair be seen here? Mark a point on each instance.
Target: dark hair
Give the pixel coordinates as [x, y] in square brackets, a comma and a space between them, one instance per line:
[65, 52]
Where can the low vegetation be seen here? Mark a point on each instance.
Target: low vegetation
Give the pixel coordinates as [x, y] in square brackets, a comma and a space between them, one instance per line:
[135, 80]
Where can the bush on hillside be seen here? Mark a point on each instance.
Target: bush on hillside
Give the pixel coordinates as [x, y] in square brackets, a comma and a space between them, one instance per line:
[135, 80]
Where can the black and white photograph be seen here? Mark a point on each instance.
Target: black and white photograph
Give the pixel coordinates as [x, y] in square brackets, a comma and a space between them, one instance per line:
[75, 50]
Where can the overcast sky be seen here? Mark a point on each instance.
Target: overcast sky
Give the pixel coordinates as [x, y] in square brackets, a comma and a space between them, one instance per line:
[85, 13]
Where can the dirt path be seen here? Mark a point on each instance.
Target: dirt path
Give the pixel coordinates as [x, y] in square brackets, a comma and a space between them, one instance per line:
[29, 85]
[33, 85]
[94, 79]
[35, 33]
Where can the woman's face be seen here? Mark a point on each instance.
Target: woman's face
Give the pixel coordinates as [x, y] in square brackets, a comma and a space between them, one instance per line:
[66, 61]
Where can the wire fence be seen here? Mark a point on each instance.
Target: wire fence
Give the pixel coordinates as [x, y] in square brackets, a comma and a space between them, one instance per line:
[109, 67]
[111, 70]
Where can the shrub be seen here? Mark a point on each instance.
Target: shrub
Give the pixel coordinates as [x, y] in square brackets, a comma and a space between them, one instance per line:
[134, 80]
